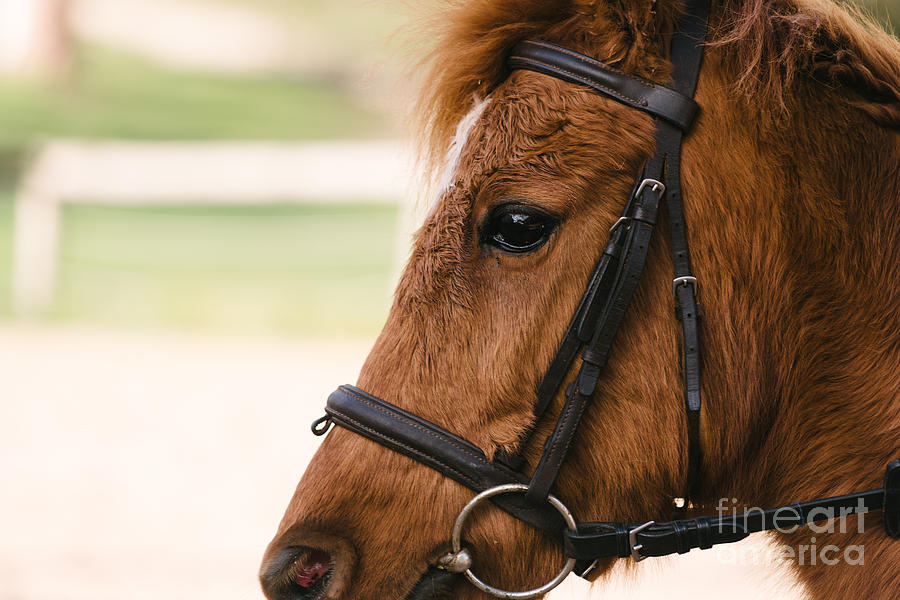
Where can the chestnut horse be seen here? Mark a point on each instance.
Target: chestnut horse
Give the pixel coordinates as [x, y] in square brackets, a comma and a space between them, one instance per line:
[791, 179]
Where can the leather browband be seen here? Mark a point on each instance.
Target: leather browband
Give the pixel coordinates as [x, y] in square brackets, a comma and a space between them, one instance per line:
[568, 65]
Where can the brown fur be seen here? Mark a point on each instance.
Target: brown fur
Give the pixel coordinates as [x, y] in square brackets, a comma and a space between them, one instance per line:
[792, 191]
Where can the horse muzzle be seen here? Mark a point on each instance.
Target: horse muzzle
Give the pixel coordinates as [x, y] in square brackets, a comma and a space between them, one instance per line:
[307, 567]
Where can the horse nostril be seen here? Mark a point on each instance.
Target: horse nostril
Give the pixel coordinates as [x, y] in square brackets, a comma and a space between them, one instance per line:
[299, 573]
[310, 569]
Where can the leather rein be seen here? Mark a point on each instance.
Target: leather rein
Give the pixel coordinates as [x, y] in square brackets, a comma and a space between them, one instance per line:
[592, 331]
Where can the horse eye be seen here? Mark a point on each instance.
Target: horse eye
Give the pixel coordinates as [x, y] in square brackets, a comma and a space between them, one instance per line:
[517, 229]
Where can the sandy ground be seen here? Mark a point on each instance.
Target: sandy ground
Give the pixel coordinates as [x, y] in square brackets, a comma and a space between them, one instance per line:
[137, 465]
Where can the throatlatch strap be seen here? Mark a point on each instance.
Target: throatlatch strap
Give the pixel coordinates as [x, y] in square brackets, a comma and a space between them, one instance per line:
[687, 53]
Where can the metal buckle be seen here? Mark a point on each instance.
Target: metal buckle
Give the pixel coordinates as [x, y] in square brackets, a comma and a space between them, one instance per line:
[654, 185]
[459, 560]
[687, 279]
[632, 541]
[621, 221]
[658, 186]
[587, 571]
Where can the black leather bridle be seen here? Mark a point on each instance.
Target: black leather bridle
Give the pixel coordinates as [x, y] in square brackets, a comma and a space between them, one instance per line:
[591, 332]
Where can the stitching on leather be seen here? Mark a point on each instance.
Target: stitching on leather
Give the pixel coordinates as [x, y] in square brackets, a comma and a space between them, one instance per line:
[594, 62]
[397, 442]
[621, 292]
[588, 82]
[481, 459]
[558, 460]
[555, 461]
[421, 428]
[412, 423]
[471, 482]
[660, 89]
[378, 434]
[567, 409]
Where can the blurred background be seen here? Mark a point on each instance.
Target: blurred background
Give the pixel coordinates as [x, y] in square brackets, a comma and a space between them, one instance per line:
[203, 208]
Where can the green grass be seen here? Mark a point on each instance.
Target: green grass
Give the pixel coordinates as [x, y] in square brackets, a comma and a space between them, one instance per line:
[115, 95]
[303, 269]
[285, 269]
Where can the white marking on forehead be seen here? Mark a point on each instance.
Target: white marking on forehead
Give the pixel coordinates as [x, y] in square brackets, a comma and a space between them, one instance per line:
[454, 152]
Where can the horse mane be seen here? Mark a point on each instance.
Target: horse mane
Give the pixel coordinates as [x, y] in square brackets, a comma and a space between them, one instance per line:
[836, 45]
[768, 45]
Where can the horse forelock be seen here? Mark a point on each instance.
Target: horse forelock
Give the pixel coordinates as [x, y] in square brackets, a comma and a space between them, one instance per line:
[768, 45]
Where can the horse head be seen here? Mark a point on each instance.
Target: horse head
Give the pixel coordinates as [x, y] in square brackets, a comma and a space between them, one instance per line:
[791, 181]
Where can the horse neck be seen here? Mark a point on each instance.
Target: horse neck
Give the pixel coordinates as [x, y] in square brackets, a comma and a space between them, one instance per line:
[836, 360]
[808, 405]
[795, 227]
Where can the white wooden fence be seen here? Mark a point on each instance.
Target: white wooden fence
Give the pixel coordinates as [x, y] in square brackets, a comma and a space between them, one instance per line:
[187, 172]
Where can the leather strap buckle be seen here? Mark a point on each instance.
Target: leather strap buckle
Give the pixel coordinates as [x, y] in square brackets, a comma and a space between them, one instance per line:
[619, 222]
[632, 541]
[686, 280]
[655, 186]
